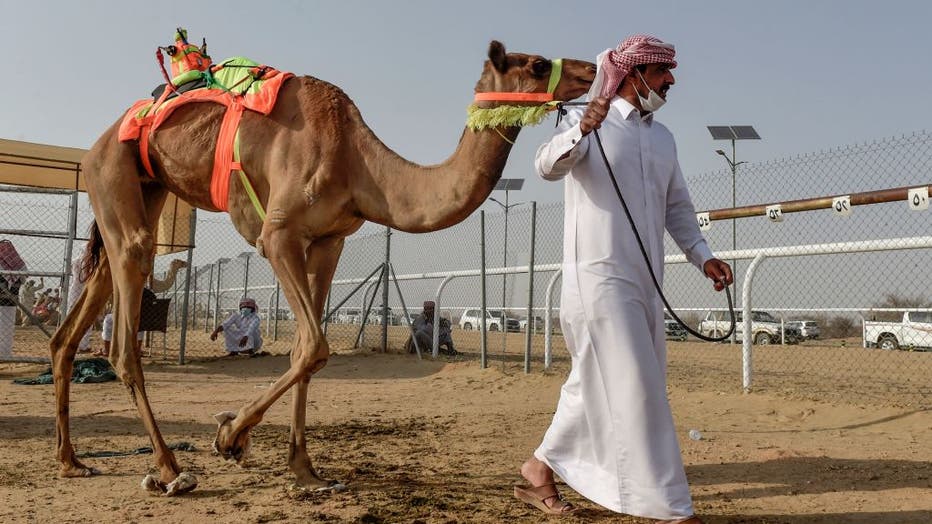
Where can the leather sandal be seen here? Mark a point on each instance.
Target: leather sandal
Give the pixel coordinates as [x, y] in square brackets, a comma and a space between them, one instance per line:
[537, 496]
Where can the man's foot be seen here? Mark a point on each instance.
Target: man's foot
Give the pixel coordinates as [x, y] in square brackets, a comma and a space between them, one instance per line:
[545, 498]
[536, 473]
[542, 493]
[687, 520]
[231, 354]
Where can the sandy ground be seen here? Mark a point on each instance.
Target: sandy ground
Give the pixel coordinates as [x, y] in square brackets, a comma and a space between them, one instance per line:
[441, 441]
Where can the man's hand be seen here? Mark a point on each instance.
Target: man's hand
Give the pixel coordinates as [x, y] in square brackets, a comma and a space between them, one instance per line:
[213, 336]
[595, 113]
[243, 341]
[718, 271]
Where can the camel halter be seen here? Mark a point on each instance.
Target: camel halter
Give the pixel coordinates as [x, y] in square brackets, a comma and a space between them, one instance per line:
[509, 115]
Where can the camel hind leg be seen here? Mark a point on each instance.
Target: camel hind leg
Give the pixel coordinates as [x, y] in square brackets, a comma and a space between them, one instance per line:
[64, 345]
[292, 257]
[127, 212]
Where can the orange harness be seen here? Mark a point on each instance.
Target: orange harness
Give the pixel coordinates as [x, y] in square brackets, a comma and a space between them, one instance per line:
[145, 117]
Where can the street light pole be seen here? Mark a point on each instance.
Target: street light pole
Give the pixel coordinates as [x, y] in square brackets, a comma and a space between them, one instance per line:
[733, 133]
[506, 185]
[504, 281]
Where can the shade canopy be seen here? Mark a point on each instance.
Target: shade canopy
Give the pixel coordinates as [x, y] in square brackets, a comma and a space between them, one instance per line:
[56, 167]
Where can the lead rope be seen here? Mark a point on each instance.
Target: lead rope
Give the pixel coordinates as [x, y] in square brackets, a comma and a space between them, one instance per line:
[637, 236]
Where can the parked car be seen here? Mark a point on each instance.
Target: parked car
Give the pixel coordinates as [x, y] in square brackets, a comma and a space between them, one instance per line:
[493, 320]
[765, 328]
[375, 316]
[672, 329]
[411, 316]
[808, 329]
[537, 325]
[348, 316]
[914, 332]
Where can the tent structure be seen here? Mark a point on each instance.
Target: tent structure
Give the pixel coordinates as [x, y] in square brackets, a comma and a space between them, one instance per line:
[48, 166]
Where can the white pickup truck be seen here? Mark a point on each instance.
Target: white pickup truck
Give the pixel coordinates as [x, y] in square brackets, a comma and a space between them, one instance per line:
[914, 332]
[765, 329]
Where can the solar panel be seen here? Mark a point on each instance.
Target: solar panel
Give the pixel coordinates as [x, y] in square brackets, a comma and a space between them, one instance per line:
[745, 133]
[509, 184]
[721, 132]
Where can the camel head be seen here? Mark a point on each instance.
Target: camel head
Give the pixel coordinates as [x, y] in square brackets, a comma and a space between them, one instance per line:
[177, 264]
[522, 73]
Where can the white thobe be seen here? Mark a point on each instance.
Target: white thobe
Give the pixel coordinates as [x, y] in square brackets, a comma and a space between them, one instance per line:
[238, 326]
[612, 437]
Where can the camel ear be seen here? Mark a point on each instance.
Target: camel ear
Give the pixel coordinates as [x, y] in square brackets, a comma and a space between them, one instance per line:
[497, 56]
[224, 416]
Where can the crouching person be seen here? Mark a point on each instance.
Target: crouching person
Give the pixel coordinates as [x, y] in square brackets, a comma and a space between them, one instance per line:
[241, 333]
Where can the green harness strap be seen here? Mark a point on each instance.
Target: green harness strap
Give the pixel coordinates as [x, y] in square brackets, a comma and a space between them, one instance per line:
[556, 71]
[245, 180]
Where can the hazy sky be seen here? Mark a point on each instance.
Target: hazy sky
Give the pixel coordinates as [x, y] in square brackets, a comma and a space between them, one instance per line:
[808, 75]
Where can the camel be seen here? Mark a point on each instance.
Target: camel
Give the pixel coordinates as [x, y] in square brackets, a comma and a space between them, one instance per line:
[320, 173]
[159, 286]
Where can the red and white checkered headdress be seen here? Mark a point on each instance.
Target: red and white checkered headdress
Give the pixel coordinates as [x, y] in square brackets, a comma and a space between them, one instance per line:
[615, 64]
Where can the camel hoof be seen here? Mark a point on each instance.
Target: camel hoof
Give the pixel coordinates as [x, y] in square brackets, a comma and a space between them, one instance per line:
[239, 449]
[153, 485]
[334, 487]
[183, 483]
[82, 472]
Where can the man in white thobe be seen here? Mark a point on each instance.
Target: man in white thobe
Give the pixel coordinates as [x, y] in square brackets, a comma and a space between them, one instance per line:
[241, 333]
[612, 437]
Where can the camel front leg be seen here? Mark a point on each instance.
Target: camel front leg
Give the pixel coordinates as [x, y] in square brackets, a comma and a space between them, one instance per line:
[64, 345]
[286, 253]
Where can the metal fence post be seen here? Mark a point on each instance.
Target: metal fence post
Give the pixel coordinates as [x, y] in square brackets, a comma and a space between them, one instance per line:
[69, 252]
[548, 311]
[210, 286]
[531, 324]
[192, 225]
[483, 347]
[388, 261]
[746, 356]
[194, 294]
[277, 293]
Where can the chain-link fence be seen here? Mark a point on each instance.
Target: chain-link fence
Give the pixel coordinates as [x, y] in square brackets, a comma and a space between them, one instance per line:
[851, 322]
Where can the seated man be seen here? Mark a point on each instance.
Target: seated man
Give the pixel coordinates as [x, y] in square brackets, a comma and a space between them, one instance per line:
[241, 331]
[106, 334]
[423, 328]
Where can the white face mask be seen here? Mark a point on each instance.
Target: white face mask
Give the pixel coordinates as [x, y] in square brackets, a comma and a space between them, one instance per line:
[653, 101]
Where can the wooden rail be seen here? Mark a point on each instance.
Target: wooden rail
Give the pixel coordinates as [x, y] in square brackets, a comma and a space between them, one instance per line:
[810, 204]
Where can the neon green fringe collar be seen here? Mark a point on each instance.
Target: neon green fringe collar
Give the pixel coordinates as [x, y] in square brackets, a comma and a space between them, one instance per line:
[506, 116]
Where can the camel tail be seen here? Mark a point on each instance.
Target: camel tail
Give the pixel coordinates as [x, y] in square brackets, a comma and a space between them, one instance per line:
[92, 251]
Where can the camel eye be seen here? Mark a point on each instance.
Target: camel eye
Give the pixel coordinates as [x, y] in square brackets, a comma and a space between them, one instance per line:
[540, 67]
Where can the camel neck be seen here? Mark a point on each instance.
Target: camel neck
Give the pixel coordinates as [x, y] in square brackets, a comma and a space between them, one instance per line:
[415, 198]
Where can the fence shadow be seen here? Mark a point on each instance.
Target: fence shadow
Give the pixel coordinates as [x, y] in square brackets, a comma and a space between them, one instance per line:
[794, 476]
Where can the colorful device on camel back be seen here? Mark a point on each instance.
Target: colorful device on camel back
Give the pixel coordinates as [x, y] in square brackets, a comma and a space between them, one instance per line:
[188, 60]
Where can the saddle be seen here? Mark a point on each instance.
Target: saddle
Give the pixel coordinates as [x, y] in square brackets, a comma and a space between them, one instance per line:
[237, 83]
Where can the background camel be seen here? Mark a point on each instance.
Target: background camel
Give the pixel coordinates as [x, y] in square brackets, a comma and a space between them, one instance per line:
[321, 173]
[159, 286]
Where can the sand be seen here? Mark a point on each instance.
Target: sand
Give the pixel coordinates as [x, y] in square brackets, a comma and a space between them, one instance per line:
[441, 441]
